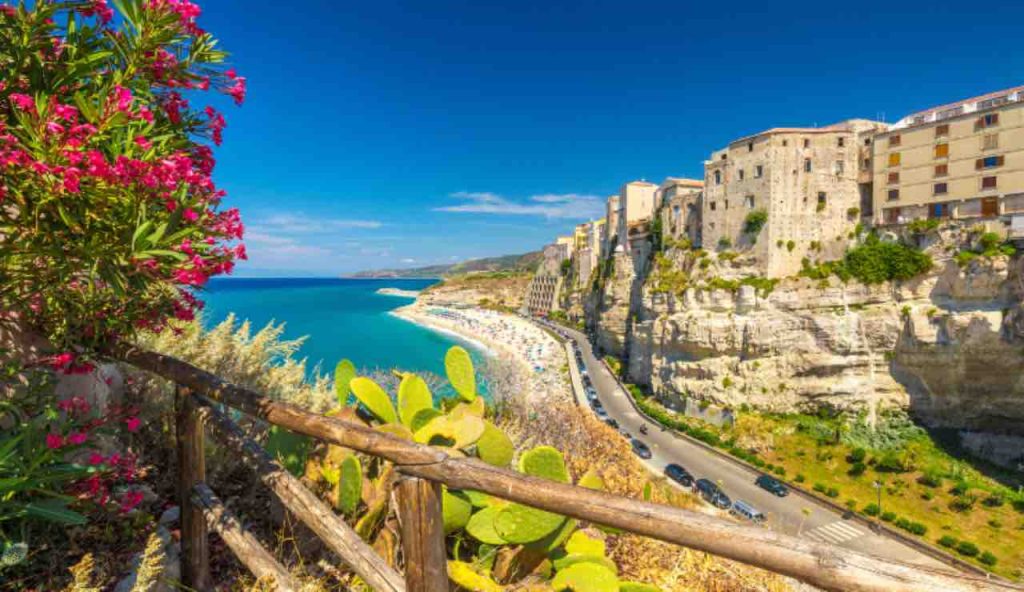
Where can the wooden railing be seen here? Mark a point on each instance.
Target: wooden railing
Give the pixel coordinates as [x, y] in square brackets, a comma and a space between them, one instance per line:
[423, 469]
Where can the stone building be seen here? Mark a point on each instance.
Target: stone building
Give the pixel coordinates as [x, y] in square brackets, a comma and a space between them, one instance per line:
[961, 160]
[812, 183]
[637, 203]
[610, 236]
[679, 200]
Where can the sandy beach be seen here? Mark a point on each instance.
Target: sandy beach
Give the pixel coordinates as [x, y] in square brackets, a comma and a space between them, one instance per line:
[541, 358]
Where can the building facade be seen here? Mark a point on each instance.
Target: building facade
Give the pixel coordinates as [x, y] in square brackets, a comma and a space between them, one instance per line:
[812, 184]
[610, 236]
[961, 160]
[680, 203]
[637, 203]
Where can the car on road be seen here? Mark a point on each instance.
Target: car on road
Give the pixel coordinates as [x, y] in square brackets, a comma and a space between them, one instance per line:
[641, 449]
[679, 475]
[601, 413]
[611, 422]
[744, 510]
[712, 494]
[596, 404]
[769, 483]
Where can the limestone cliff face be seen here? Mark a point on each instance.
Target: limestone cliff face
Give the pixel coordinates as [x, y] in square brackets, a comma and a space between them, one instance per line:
[608, 309]
[948, 346]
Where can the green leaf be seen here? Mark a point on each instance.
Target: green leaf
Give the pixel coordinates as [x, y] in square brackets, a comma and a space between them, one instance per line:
[422, 418]
[544, 462]
[373, 397]
[467, 578]
[350, 485]
[459, 368]
[54, 510]
[456, 509]
[636, 587]
[586, 577]
[413, 396]
[520, 524]
[344, 372]
[481, 526]
[495, 447]
[289, 448]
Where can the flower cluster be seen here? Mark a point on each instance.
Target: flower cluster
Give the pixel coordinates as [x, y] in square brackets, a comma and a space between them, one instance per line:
[111, 215]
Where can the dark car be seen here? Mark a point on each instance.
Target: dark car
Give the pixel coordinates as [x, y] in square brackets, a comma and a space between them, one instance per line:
[712, 494]
[769, 483]
[614, 424]
[641, 449]
[679, 475]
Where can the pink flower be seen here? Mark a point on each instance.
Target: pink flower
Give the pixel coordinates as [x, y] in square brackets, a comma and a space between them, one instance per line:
[95, 459]
[190, 215]
[133, 423]
[143, 142]
[77, 438]
[54, 128]
[54, 441]
[238, 90]
[23, 102]
[100, 9]
[66, 112]
[240, 252]
[130, 500]
[123, 96]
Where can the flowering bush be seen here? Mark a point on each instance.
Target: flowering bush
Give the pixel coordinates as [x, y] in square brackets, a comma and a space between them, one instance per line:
[109, 216]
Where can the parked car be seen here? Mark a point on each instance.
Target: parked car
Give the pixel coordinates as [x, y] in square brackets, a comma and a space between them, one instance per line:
[641, 449]
[611, 422]
[679, 475]
[601, 413]
[596, 404]
[712, 494]
[769, 483]
[745, 510]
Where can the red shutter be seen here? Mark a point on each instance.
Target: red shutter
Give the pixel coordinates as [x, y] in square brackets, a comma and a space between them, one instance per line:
[1002, 159]
[979, 164]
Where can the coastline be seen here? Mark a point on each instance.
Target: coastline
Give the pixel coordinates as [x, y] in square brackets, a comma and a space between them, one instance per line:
[407, 313]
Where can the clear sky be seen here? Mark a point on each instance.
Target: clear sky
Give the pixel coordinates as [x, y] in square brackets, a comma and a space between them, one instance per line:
[397, 134]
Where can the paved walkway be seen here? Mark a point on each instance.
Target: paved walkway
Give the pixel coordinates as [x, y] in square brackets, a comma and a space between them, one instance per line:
[793, 515]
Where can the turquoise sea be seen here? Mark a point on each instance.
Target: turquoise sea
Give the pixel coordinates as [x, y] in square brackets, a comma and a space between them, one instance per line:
[342, 318]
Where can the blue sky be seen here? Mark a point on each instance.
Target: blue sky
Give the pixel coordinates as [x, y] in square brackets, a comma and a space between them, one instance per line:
[398, 134]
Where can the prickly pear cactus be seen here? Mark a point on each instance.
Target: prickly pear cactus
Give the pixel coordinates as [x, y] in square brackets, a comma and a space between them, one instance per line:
[289, 448]
[591, 480]
[481, 526]
[544, 462]
[522, 524]
[344, 372]
[373, 397]
[636, 587]
[459, 368]
[586, 577]
[582, 544]
[446, 430]
[494, 447]
[350, 485]
[456, 508]
[395, 429]
[413, 396]
[422, 418]
[468, 578]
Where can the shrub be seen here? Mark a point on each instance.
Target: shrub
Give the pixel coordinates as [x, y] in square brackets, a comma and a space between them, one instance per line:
[799, 478]
[819, 487]
[911, 527]
[724, 243]
[930, 478]
[888, 516]
[110, 213]
[948, 541]
[754, 222]
[832, 492]
[857, 469]
[790, 245]
[893, 462]
[875, 261]
[967, 548]
[923, 225]
[872, 509]
[994, 500]
[988, 558]
[857, 455]
[726, 382]
[853, 212]
[781, 471]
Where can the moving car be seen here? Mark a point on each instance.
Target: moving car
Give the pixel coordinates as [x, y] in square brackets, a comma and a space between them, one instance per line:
[769, 483]
[745, 510]
[712, 494]
[641, 449]
[611, 422]
[679, 475]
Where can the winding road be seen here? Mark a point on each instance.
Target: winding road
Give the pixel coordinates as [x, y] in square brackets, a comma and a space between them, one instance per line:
[794, 514]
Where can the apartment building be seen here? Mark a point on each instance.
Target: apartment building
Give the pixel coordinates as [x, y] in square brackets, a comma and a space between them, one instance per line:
[637, 203]
[545, 287]
[813, 184]
[679, 200]
[588, 251]
[961, 160]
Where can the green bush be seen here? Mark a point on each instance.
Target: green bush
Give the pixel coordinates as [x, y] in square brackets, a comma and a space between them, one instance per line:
[948, 541]
[930, 478]
[832, 492]
[967, 548]
[724, 243]
[875, 261]
[923, 225]
[857, 469]
[754, 222]
[888, 516]
[799, 478]
[988, 558]
[790, 245]
[994, 500]
[781, 471]
[857, 455]
[872, 509]
[819, 487]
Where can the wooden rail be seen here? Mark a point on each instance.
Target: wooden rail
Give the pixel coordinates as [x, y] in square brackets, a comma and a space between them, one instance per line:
[423, 469]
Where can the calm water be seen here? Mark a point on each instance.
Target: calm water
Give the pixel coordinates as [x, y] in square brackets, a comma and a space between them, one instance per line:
[342, 319]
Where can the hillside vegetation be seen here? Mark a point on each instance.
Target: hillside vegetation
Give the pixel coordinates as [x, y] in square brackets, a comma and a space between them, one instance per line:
[526, 262]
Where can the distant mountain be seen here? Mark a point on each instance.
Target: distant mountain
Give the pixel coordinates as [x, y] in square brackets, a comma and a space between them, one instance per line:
[526, 262]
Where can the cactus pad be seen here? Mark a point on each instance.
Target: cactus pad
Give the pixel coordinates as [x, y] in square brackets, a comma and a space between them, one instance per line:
[582, 544]
[591, 480]
[544, 462]
[395, 429]
[289, 448]
[344, 372]
[586, 577]
[482, 500]
[447, 431]
[481, 526]
[459, 368]
[494, 447]
[467, 578]
[456, 508]
[374, 399]
[636, 587]
[564, 561]
[413, 396]
[350, 486]
[522, 524]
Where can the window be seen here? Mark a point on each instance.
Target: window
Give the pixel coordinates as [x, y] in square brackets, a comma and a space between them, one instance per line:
[894, 159]
[894, 140]
[942, 130]
[840, 142]
[838, 167]
[939, 210]
[867, 141]
[725, 157]
[941, 170]
[807, 165]
[940, 189]
[990, 141]
[867, 163]
[712, 206]
[942, 151]
[894, 194]
[989, 207]
[785, 143]
[894, 178]
[807, 143]
[725, 204]
[988, 182]
[718, 179]
[750, 146]
[742, 175]
[748, 201]
[822, 200]
[759, 171]
[988, 120]
[989, 162]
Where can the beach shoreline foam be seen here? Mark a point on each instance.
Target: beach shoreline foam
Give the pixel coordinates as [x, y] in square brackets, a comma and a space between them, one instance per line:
[398, 292]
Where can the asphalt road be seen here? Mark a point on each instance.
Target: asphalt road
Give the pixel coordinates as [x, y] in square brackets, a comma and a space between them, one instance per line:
[793, 514]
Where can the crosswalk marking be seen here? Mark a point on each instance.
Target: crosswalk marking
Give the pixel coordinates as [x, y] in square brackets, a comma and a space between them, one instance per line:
[835, 533]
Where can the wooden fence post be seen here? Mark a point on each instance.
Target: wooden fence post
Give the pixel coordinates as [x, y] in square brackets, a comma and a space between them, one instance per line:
[422, 522]
[195, 550]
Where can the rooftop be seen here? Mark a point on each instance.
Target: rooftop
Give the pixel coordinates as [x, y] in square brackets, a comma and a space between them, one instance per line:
[978, 103]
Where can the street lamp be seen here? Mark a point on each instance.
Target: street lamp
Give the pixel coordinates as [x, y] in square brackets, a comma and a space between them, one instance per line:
[878, 485]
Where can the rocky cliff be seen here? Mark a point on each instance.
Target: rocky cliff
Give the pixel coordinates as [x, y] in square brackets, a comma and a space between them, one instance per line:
[947, 345]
